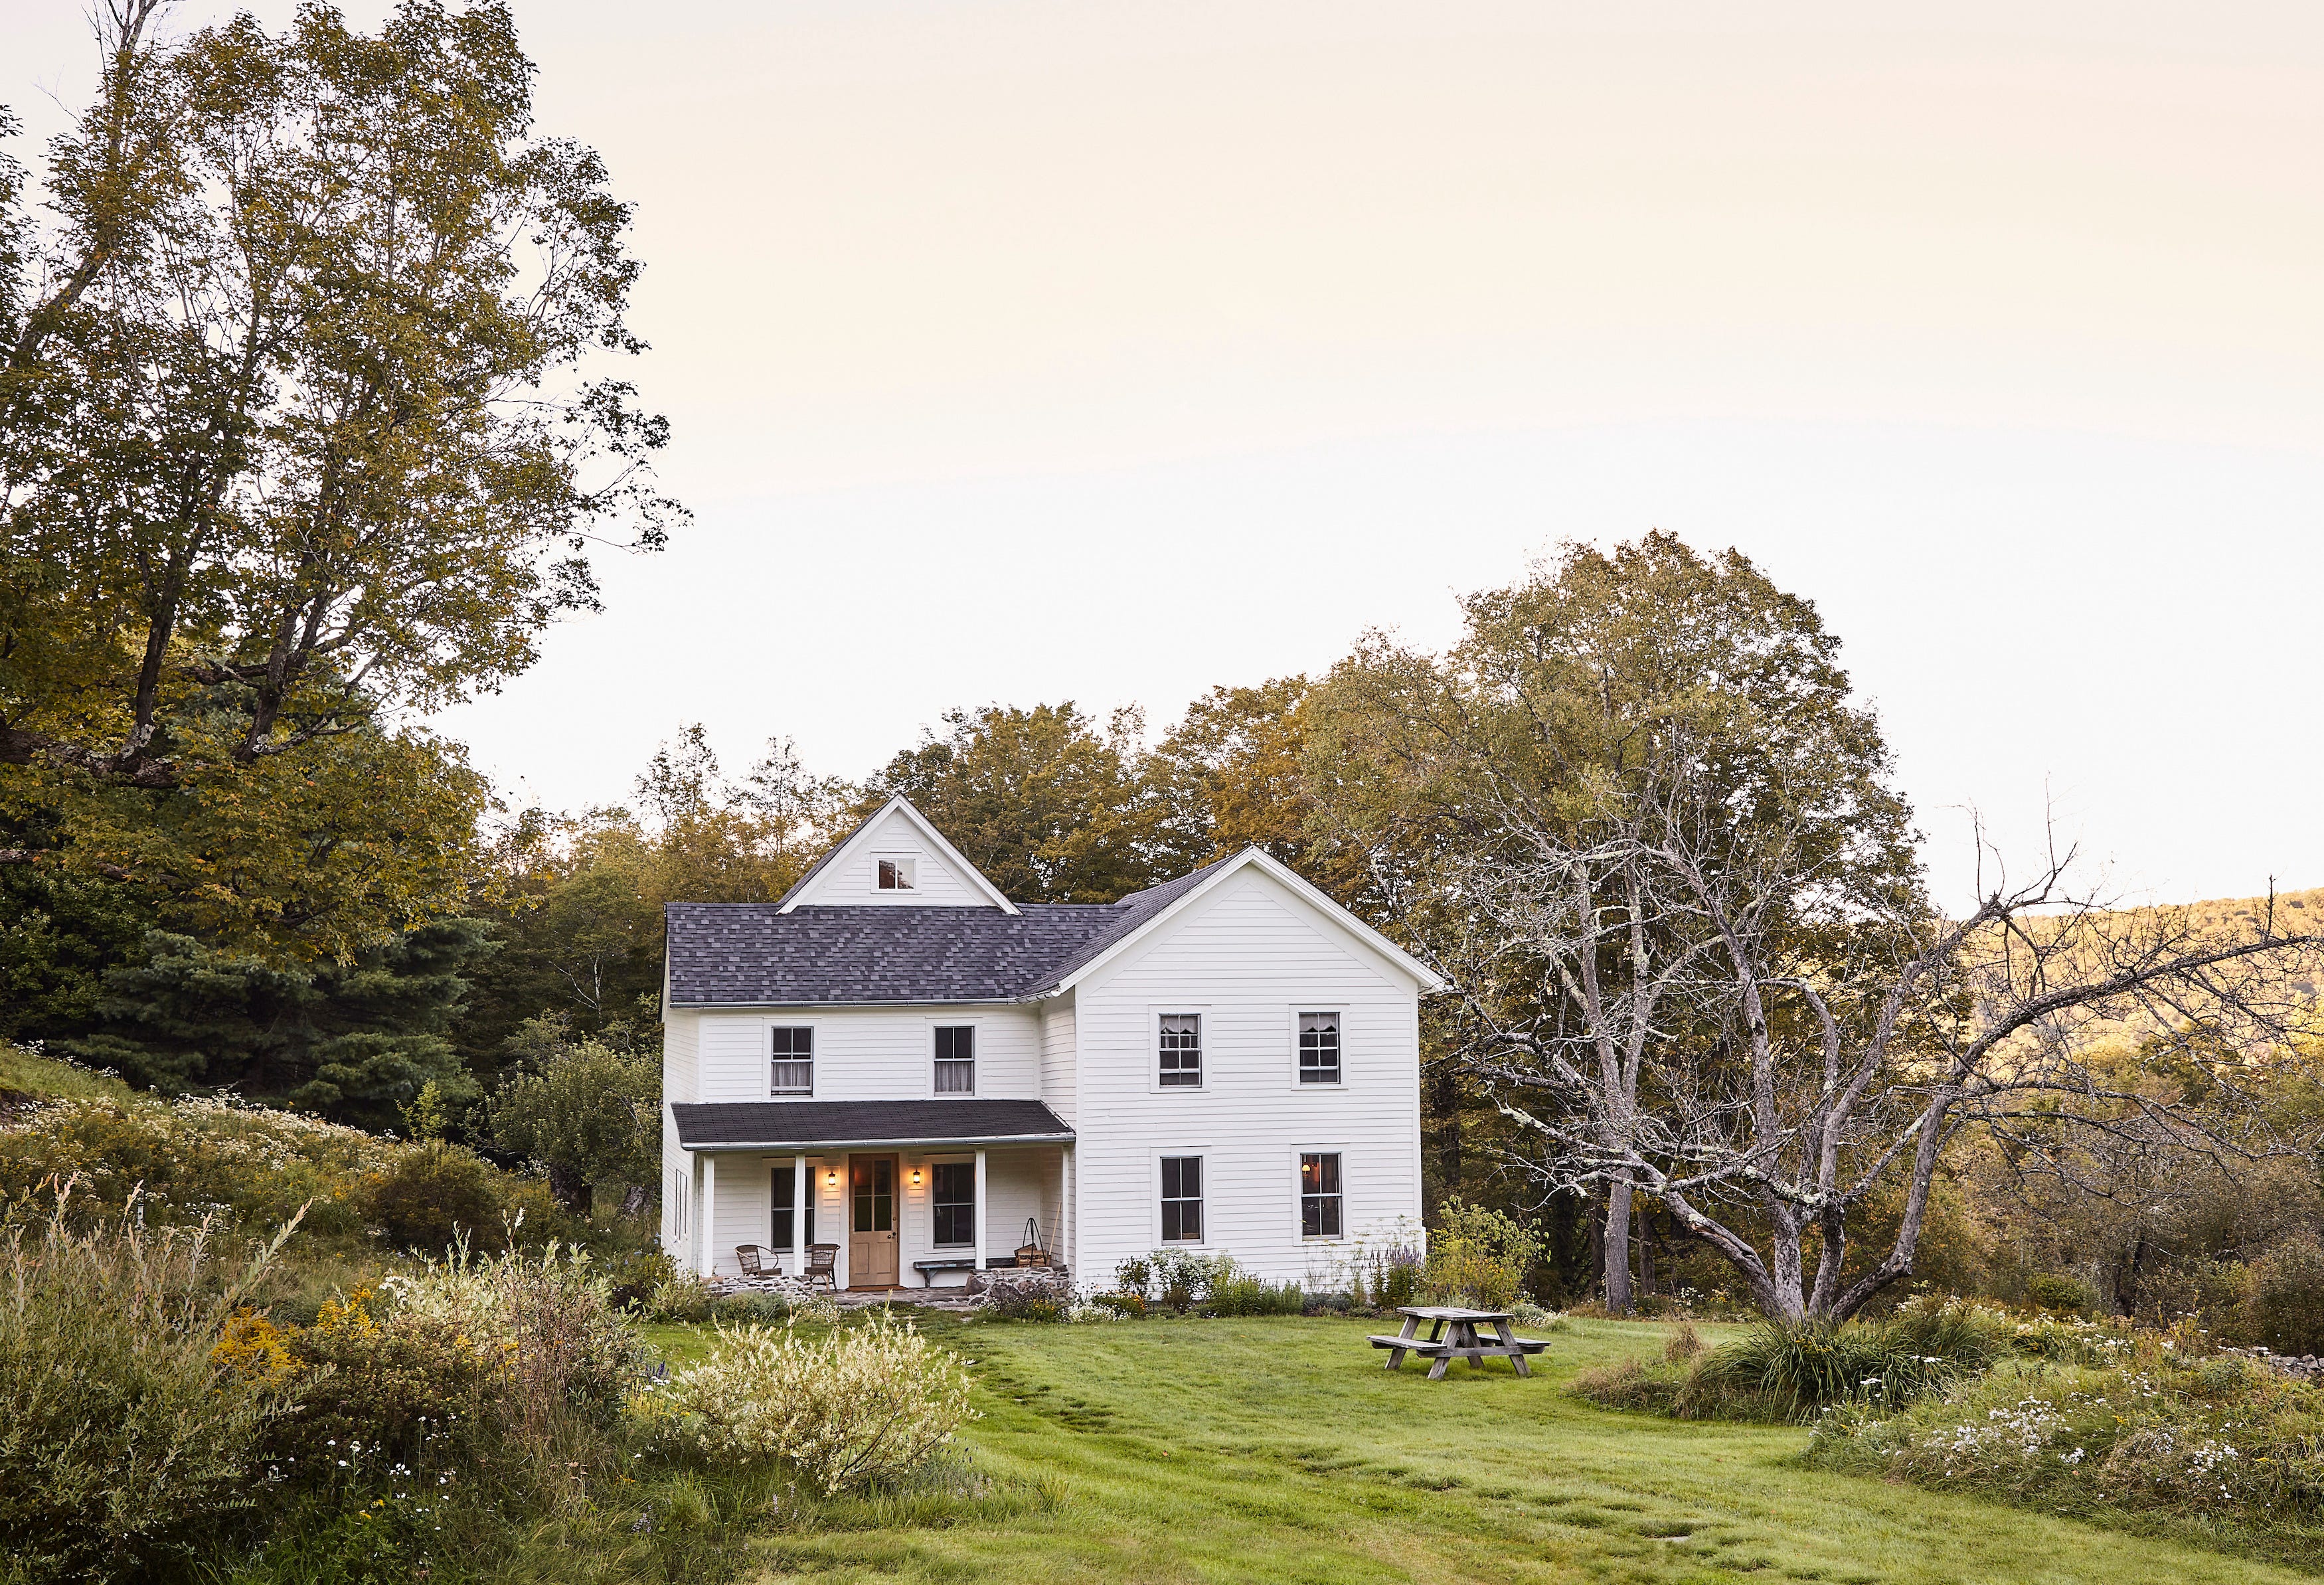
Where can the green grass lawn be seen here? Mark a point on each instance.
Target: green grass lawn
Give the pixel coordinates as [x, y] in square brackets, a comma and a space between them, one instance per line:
[1279, 1450]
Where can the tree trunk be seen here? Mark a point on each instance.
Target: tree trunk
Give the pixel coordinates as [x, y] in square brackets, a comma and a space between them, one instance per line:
[633, 1204]
[1446, 1099]
[1618, 1247]
[569, 1188]
[2125, 1279]
[1646, 1214]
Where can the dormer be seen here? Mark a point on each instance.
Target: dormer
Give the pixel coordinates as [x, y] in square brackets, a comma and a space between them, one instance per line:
[895, 859]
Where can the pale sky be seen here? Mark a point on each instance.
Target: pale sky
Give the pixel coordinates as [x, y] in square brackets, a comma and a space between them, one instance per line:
[1089, 349]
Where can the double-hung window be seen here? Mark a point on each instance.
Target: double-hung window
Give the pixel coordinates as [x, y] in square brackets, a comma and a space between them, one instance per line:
[1181, 1049]
[956, 1059]
[952, 1198]
[793, 1069]
[1319, 1048]
[1319, 1195]
[784, 1219]
[1182, 1199]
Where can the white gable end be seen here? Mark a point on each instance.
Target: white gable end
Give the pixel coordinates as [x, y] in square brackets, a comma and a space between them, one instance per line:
[921, 869]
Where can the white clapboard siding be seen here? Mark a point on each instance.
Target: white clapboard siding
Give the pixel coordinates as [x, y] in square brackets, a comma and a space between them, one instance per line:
[681, 1042]
[1248, 957]
[852, 878]
[873, 1053]
[1057, 1054]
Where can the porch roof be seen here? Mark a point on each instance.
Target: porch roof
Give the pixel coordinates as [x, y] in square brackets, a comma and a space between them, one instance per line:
[797, 1125]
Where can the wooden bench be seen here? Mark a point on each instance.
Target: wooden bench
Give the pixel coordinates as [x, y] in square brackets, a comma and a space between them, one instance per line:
[929, 1268]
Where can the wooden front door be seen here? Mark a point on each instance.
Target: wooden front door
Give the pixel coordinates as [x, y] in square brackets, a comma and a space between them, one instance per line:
[872, 1222]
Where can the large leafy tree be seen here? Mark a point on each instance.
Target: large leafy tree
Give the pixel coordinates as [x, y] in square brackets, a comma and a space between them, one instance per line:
[577, 902]
[1051, 808]
[296, 439]
[591, 1114]
[1508, 789]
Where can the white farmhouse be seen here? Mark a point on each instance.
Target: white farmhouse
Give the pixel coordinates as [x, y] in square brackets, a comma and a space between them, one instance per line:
[898, 1060]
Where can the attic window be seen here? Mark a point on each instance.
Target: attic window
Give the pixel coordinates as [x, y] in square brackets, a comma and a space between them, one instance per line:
[896, 874]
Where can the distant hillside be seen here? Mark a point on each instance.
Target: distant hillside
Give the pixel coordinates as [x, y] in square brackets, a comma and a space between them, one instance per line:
[2296, 912]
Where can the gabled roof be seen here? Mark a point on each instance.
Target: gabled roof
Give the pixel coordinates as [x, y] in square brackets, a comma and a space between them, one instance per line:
[900, 806]
[1175, 897]
[764, 954]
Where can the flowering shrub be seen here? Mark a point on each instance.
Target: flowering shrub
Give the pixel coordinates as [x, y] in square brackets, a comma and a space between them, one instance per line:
[1478, 1258]
[1174, 1279]
[2155, 1430]
[124, 1444]
[862, 1407]
[196, 1159]
[445, 1365]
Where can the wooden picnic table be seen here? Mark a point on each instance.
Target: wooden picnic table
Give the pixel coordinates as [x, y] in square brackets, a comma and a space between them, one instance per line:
[1463, 1342]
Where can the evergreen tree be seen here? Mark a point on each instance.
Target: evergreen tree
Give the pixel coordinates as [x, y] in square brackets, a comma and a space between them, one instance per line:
[353, 1041]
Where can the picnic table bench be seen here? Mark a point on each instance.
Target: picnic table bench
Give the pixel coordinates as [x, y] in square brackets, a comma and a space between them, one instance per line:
[1453, 1335]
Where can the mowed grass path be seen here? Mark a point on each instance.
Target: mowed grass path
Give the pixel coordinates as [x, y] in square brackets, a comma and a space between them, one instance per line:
[1279, 1450]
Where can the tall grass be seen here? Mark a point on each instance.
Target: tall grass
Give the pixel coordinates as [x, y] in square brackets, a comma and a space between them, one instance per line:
[125, 1449]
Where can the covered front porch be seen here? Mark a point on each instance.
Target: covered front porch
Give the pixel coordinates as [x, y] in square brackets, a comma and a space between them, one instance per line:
[911, 1194]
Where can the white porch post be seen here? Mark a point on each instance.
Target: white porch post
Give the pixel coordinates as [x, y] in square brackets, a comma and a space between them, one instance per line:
[708, 1217]
[1064, 1208]
[799, 1214]
[980, 1207]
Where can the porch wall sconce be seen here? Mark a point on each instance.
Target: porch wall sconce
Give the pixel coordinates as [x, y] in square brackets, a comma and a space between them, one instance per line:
[831, 1178]
[916, 1177]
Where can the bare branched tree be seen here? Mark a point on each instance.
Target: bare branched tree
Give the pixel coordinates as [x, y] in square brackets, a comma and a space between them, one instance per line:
[1764, 1081]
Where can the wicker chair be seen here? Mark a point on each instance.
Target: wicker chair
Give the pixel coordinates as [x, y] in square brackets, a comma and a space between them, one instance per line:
[755, 1261]
[822, 1265]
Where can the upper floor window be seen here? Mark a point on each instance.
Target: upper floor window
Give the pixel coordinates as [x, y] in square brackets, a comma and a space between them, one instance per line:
[1319, 1048]
[956, 1059]
[1182, 1049]
[793, 1073]
[1182, 1199]
[897, 874]
[1319, 1195]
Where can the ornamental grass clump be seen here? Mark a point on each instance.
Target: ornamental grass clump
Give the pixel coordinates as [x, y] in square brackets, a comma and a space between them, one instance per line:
[1793, 1371]
[862, 1407]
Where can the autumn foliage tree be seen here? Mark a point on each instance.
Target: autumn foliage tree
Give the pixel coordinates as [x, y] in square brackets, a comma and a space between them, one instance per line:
[299, 435]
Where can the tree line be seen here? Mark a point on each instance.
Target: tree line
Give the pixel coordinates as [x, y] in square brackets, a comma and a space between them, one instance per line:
[311, 419]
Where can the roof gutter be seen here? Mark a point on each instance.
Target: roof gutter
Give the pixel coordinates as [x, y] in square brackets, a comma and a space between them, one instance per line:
[923, 1141]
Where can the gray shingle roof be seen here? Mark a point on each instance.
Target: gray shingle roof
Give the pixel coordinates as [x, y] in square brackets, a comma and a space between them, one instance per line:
[753, 1124]
[745, 954]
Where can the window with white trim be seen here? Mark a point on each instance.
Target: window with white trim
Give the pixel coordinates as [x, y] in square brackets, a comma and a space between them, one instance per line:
[956, 1059]
[793, 1057]
[1319, 1195]
[783, 1219]
[951, 1199]
[1319, 1048]
[1182, 1199]
[897, 874]
[1180, 1042]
